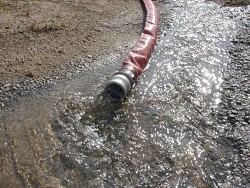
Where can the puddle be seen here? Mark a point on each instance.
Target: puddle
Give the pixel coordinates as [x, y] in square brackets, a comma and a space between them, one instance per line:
[162, 136]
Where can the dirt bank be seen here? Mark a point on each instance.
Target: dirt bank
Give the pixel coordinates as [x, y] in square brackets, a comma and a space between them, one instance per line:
[37, 36]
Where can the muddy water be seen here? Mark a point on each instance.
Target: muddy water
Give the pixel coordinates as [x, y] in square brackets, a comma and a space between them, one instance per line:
[163, 135]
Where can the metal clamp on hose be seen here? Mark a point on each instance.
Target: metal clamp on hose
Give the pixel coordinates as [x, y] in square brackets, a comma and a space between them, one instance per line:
[120, 84]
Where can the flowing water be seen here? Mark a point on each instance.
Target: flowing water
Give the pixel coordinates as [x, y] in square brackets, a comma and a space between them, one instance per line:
[163, 135]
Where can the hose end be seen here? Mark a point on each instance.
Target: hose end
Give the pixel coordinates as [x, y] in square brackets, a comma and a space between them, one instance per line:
[119, 85]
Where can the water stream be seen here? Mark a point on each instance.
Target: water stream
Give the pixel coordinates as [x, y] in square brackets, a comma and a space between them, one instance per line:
[163, 135]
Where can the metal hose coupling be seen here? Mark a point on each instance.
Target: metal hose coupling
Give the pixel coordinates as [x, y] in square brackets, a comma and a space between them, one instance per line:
[120, 84]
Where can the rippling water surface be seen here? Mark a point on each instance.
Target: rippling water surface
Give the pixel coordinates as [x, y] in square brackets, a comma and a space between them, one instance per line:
[163, 135]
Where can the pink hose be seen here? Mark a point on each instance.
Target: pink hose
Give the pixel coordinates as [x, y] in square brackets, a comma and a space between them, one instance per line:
[137, 58]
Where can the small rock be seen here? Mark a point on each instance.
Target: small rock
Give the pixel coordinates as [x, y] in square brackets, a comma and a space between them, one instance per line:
[60, 51]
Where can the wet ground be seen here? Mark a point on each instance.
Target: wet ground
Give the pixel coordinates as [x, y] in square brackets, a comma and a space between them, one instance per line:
[184, 124]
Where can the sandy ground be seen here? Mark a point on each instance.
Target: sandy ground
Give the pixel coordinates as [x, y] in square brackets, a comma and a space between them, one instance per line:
[36, 36]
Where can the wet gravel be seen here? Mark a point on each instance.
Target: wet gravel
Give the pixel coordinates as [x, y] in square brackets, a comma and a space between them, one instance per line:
[10, 92]
[234, 110]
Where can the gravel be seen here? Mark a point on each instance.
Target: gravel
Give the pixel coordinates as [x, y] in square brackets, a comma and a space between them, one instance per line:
[234, 110]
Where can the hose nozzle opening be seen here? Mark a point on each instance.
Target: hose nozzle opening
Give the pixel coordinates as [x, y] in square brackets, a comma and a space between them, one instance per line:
[119, 86]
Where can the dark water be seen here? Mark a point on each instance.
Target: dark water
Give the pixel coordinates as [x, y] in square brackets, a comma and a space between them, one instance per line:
[163, 135]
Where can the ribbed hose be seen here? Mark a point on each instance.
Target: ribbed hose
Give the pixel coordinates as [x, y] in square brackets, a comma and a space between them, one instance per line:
[137, 58]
